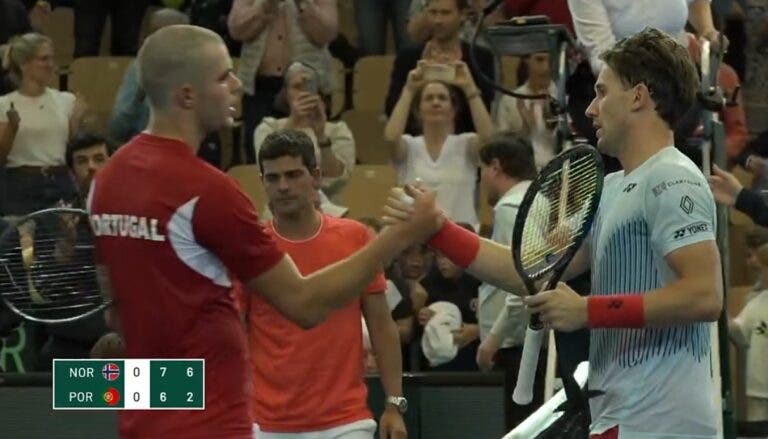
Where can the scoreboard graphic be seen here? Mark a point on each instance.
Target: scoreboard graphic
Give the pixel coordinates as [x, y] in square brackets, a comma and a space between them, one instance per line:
[129, 384]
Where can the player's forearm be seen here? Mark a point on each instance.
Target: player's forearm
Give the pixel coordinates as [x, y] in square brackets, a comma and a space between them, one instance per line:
[493, 265]
[338, 284]
[685, 301]
[484, 259]
[385, 341]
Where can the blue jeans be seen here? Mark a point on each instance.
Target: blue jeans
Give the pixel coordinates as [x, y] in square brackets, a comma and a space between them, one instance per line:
[371, 17]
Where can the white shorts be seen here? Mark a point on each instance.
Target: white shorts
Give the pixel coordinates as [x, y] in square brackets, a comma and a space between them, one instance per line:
[363, 429]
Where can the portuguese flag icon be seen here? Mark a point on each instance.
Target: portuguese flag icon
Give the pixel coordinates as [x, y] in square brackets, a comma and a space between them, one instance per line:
[111, 396]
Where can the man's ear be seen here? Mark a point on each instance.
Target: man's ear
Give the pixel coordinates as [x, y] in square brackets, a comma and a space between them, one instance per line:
[496, 165]
[641, 97]
[184, 96]
[317, 177]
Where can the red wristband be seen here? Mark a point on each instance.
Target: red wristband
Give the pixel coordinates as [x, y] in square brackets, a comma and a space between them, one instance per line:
[456, 243]
[625, 311]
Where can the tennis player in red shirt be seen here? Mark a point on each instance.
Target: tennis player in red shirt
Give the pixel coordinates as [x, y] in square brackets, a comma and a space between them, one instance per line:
[293, 400]
[172, 232]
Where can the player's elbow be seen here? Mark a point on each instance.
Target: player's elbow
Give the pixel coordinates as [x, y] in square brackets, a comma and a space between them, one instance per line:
[710, 306]
[714, 307]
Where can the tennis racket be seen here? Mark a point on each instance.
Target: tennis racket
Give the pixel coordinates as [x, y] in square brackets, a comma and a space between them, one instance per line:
[554, 218]
[47, 268]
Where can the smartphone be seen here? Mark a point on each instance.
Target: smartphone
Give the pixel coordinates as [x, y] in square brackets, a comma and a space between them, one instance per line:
[312, 82]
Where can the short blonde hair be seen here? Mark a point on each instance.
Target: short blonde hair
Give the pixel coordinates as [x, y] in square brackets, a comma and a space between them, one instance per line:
[20, 50]
[172, 56]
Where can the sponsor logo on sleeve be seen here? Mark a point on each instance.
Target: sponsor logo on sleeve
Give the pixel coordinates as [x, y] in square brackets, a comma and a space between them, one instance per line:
[629, 187]
[664, 185]
[690, 230]
[686, 203]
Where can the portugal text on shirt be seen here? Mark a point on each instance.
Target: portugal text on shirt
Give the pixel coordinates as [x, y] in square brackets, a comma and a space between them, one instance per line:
[131, 226]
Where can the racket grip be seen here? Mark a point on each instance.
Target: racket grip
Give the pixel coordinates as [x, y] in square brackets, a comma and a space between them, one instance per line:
[523, 394]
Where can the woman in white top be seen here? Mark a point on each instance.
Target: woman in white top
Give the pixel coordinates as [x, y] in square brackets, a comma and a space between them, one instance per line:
[306, 105]
[36, 122]
[529, 118]
[444, 161]
[600, 23]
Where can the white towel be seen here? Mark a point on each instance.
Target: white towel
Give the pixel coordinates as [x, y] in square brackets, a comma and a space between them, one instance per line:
[437, 341]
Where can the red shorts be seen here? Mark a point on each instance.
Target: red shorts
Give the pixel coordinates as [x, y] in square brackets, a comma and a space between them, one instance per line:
[613, 433]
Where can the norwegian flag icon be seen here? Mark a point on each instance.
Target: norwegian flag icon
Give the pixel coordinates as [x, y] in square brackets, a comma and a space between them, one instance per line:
[110, 371]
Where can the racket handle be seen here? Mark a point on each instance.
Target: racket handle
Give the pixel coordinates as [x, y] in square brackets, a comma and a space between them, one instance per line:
[523, 394]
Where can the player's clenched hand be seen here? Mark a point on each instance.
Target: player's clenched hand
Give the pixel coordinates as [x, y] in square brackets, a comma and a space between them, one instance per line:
[414, 212]
[561, 309]
[391, 425]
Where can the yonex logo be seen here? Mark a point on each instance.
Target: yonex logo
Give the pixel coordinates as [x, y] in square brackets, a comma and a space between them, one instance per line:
[691, 229]
[629, 187]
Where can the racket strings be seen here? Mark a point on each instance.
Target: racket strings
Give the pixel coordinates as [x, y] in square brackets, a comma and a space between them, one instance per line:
[543, 223]
[48, 271]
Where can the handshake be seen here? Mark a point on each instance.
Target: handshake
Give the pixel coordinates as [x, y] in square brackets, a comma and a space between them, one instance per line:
[412, 211]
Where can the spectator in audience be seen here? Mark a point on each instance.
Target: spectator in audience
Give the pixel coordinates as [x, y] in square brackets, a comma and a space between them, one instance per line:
[444, 161]
[750, 330]
[420, 24]
[556, 11]
[307, 106]
[447, 282]
[600, 23]
[86, 154]
[730, 192]
[732, 115]
[125, 17]
[410, 268]
[754, 240]
[36, 122]
[507, 166]
[755, 13]
[212, 14]
[445, 47]
[371, 17]
[130, 114]
[529, 118]
[14, 20]
[275, 33]
[399, 303]
[292, 398]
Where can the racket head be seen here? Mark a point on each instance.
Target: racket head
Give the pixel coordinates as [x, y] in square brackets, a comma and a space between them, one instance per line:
[47, 267]
[533, 254]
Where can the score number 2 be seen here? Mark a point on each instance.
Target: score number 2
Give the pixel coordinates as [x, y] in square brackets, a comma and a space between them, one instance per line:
[190, 374]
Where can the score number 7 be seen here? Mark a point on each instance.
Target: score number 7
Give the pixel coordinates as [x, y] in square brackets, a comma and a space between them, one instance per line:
[190, 371]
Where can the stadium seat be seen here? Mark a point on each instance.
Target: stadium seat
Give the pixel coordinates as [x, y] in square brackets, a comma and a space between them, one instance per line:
[367, 189]
[250, 181]
[371, 82]
[61, 29]
[97, 79]
[368, 129]
[338, 97]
